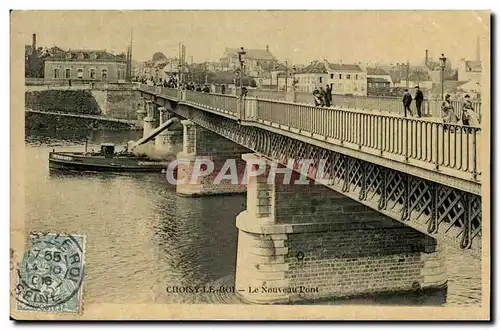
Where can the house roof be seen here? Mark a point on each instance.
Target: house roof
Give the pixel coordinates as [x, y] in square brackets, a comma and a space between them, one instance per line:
[377, 80]
[314, 67]
[73, 55]
[376, 72]
[254, 54]
[325, 67]
[344, 67]
[472, 85]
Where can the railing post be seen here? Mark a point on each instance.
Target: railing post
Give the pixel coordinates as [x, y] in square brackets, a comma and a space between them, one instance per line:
[406, 139]
[437, 146]
[474, 155]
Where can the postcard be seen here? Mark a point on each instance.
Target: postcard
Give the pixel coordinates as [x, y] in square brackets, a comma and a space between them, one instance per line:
[250, 165]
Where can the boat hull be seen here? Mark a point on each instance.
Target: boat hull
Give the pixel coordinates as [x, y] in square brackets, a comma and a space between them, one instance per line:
[81, 162]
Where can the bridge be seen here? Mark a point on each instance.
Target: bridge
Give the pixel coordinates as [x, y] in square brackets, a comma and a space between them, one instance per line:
[423, 174]
[85, 116]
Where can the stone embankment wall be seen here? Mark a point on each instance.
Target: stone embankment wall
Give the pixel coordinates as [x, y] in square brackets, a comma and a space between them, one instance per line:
[111, 103]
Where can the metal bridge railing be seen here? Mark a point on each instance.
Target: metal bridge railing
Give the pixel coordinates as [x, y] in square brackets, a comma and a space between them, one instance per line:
[171, 92]
[443, 145]
[221, 102]
[430, 108]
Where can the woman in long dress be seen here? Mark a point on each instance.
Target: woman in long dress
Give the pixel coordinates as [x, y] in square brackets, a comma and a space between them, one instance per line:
[447, 112]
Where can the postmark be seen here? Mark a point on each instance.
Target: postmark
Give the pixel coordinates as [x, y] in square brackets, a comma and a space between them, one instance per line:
[50, 276]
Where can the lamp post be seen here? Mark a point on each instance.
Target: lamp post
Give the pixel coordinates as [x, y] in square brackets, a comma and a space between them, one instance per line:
[241, 57]
[442, 64]
[294, 82]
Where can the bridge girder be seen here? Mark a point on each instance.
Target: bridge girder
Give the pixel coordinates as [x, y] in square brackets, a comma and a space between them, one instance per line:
[444, 212]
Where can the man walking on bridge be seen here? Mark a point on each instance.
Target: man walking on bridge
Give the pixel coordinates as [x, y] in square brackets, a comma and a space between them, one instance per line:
[407, 102]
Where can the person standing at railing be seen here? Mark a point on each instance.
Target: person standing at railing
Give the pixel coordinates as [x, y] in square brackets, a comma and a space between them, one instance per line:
[469, 116]
[419, 98]
[407, 102]
[447, 112]
[223, 89]
[206, 89]
[328, 95]
[322, 97]
[316, 96]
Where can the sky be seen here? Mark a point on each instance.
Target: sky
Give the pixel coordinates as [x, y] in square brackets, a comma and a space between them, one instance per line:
[297, 36]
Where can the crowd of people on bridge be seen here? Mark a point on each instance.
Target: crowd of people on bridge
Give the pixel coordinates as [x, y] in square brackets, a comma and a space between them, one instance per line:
[448, 114]
[173, 82]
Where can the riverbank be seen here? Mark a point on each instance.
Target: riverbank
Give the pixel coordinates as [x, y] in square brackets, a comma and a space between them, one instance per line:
[119, 104]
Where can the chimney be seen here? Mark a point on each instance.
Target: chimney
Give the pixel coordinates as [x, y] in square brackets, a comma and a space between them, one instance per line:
[33, 45]
[267, 47]
[426, 57]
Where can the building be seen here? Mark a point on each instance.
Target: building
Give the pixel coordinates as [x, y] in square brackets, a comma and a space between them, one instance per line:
[346, 79]
[377, 83]
[469, 70]
[256, 61]
[379, 76]
[311, 76]
[86, 65]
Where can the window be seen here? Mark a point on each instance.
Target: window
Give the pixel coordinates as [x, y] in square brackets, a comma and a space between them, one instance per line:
[68, 56]
[320, 80]
[56, 73]
[92, 73]
[348, 76]
[104, 74]
[340, 76]
[356, 77]
[79, 73]
[67, 74]
[331, 76]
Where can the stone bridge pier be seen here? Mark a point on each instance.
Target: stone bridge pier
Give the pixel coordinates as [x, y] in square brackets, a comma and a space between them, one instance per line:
[168, 142]
[306, 242]
[203, 149]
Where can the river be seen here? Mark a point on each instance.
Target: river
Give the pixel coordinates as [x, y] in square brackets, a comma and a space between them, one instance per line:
[142, 238]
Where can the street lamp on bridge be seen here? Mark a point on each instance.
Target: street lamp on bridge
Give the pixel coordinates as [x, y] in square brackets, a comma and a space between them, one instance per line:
[442, 64]
[241, 58]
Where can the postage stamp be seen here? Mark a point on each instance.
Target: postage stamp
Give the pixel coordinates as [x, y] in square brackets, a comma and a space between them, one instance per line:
[50, 276]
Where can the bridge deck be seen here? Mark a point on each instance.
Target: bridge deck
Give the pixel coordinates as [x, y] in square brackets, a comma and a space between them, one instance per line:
[423, 172]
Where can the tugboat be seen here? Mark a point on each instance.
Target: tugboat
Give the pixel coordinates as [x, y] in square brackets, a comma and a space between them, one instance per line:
[105, 160]
[108, 160]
